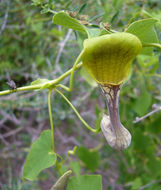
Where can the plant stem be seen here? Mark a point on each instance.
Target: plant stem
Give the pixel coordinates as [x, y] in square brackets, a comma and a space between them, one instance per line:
[51, 119]
[79, 116]
[39, 86]
[73, 69]
[152, 45]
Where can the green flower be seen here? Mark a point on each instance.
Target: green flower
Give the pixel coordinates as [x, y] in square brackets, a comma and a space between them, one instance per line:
[108, 58]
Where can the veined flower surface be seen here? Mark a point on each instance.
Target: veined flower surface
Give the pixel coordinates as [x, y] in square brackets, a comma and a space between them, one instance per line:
[108, 58]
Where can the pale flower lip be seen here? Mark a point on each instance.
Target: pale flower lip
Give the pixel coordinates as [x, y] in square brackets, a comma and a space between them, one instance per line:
[108, 60]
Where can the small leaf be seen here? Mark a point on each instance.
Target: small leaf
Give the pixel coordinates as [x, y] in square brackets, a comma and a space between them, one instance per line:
[63, 19]
[85, 182]
[39, 81]
[37, 2]
[144, 30]
[62, 181]
[39, 157]
[43, 82]
[82, 8]
[142, 103]
[89, 158]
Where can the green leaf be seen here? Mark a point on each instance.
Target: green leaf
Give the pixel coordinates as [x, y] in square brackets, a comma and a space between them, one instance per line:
[87, 77]
[75, 166]
[147, 61]
[154, 165]
[85, 182]
[39, 157]
[142, 142]
[89, 158]
[37, 2]
[39, 81]
[93, 32]
[144, 30]
[142, 103]
[154, 126]
[136, 184]
[43, 82]
[63, 19]
[82, 8]
[62, 181]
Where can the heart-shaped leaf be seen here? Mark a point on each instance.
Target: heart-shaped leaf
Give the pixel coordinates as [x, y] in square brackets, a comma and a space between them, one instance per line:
[144, 30]
[40, 156]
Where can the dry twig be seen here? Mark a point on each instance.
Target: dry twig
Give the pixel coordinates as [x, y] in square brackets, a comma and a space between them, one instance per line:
[156, 109]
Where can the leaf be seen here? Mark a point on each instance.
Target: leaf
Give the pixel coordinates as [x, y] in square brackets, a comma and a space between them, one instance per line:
[63, 19]
[136, 184]
[37, 2]
[144, 30]
[85, 182]
[142, 103]
[93, 32]
[89, 158]
[142, 142]
[43, 82]
[39, 81]
[75, 166]
[147, 61]
[39, 157]
[62, 181]
[87, 77]
[82, 8]
[154, 126]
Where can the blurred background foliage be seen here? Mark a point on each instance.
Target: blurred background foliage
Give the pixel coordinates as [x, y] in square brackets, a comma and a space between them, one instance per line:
[32, 47]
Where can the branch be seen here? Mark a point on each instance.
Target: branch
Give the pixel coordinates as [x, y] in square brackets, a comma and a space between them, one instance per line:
[49, 84]
[5, 18]
[62, 45]
[149, 184]
[156, 109]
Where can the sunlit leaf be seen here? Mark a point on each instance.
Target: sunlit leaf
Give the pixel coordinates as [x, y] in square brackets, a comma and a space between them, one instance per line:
[63, 19]
[144, 30]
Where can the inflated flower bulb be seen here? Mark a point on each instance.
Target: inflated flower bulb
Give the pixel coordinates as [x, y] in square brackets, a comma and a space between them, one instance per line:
[108, 60]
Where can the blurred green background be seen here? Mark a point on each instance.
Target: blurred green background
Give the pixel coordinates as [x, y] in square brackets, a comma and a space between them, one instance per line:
[32, 47]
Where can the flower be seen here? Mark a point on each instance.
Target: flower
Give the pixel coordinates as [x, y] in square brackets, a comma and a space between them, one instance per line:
[108, 60]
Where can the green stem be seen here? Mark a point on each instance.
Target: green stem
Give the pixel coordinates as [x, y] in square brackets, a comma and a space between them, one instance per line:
[39, 86]
[63, 87]
[152, 45]
[79, 116]
[51, 119]
[73, 69]
[59, 168]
